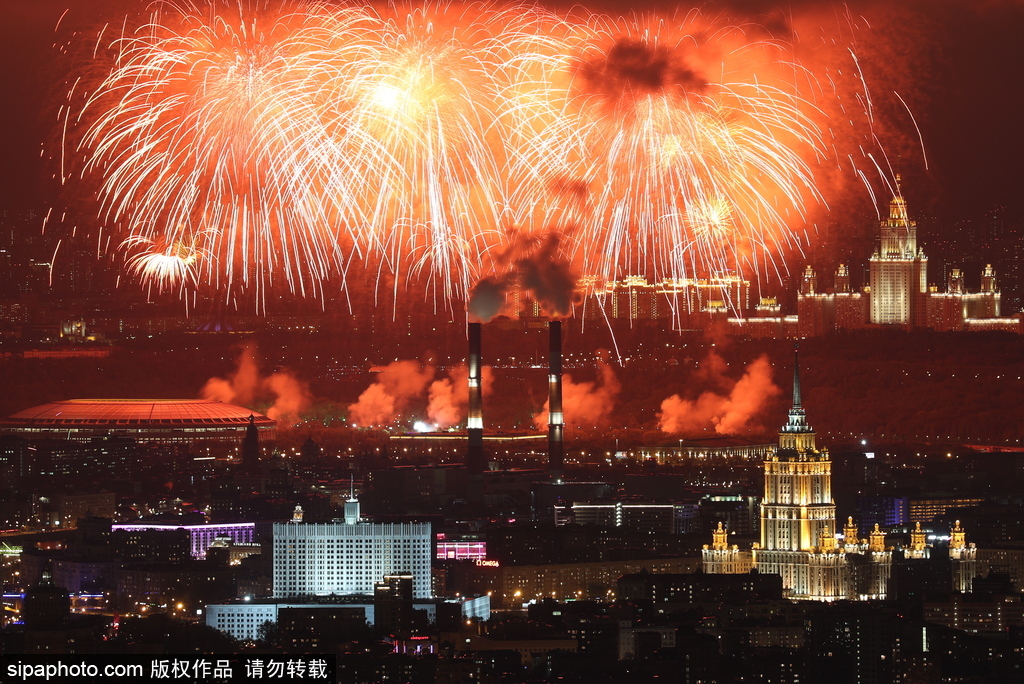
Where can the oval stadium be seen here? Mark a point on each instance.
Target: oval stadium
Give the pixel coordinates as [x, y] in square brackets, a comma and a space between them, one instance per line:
[145, 420]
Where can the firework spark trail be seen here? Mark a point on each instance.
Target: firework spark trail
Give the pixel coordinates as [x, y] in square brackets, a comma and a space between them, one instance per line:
[163, 267]
[296, 139]
[421, 128]
[201, 127]
[689, 176]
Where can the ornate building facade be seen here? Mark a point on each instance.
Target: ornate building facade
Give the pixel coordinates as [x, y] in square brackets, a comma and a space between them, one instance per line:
[963, 557]
[798, 526]
[899, 270]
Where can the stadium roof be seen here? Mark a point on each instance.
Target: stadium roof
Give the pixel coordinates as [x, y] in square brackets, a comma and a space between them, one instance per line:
[135, 413]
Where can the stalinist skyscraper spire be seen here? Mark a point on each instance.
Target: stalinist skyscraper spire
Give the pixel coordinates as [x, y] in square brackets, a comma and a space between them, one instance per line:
[899, 269]
[797, 509]
[798, 524]
[796, 434]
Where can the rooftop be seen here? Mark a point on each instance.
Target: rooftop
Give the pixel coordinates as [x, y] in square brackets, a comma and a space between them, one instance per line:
[140, 413]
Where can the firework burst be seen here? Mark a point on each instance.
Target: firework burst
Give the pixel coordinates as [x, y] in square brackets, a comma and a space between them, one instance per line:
[674, 169]
[202, 125]
[164, 267]
[297, 139]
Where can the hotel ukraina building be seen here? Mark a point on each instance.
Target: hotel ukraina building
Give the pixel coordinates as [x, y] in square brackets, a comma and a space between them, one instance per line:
[798, 529]
[798, 526]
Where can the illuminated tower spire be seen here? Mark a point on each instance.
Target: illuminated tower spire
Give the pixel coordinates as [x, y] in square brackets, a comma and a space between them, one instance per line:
[918, 541]
[796, 376]
[809, 282]
[842, 278]
[797, 510]
[796, 433]
[957, 538]
[899, 269]
[721, 538]
[850, 532]
[876, 540]
[988, 279]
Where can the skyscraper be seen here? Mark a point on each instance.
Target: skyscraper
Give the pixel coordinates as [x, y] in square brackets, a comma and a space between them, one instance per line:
[798, 525]
[899, 269]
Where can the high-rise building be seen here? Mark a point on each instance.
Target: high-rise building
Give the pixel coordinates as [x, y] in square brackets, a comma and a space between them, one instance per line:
[899, 270]
[816, 310]
[798, 525]
[686, 300]
[348, 556]
[963, 557]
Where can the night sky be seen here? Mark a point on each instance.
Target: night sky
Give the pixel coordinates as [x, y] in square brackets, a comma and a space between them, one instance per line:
[959, 66]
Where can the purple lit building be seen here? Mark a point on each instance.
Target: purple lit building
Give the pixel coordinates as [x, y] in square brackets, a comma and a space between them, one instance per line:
[200, 536]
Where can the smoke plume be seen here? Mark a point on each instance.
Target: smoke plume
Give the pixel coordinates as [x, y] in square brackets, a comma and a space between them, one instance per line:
[488, 298]
[289, 395]
[586, 404]
[397, 385]
[532, 263]
[449, 397]
[728, 412]
[636, 66]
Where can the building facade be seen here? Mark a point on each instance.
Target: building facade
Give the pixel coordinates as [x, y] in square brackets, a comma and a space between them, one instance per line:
[898, 270]
[201, 537]
[348, 556]
[798, 526]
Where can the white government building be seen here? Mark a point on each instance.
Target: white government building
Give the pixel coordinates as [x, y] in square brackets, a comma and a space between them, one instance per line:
[336, 565]
[348, 556]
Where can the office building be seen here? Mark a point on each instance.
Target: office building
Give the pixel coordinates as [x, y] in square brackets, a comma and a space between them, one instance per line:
[348, 556]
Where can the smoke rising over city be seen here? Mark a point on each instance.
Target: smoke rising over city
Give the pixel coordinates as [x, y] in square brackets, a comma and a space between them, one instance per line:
[733, 406]
[288, 396]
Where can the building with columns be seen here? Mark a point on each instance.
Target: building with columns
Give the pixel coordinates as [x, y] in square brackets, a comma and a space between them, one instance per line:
[798, 525]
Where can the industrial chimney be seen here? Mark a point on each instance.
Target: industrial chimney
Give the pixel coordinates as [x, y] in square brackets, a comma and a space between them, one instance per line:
[556, 423]
[475, 459]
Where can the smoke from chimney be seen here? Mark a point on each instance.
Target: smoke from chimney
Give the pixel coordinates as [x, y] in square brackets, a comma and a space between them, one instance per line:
[532, 263]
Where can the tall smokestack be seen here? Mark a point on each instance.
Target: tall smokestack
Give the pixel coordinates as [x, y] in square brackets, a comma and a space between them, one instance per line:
[475, 460]
[556, 423]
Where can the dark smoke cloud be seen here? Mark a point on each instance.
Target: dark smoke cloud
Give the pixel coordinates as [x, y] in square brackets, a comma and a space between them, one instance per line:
[549, 278]
[635, 66]
[532, 263]
[487, 298]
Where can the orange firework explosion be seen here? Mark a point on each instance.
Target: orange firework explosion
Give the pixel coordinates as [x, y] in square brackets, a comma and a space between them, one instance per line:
[678, 159]
[163, 266]
[295, 140]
